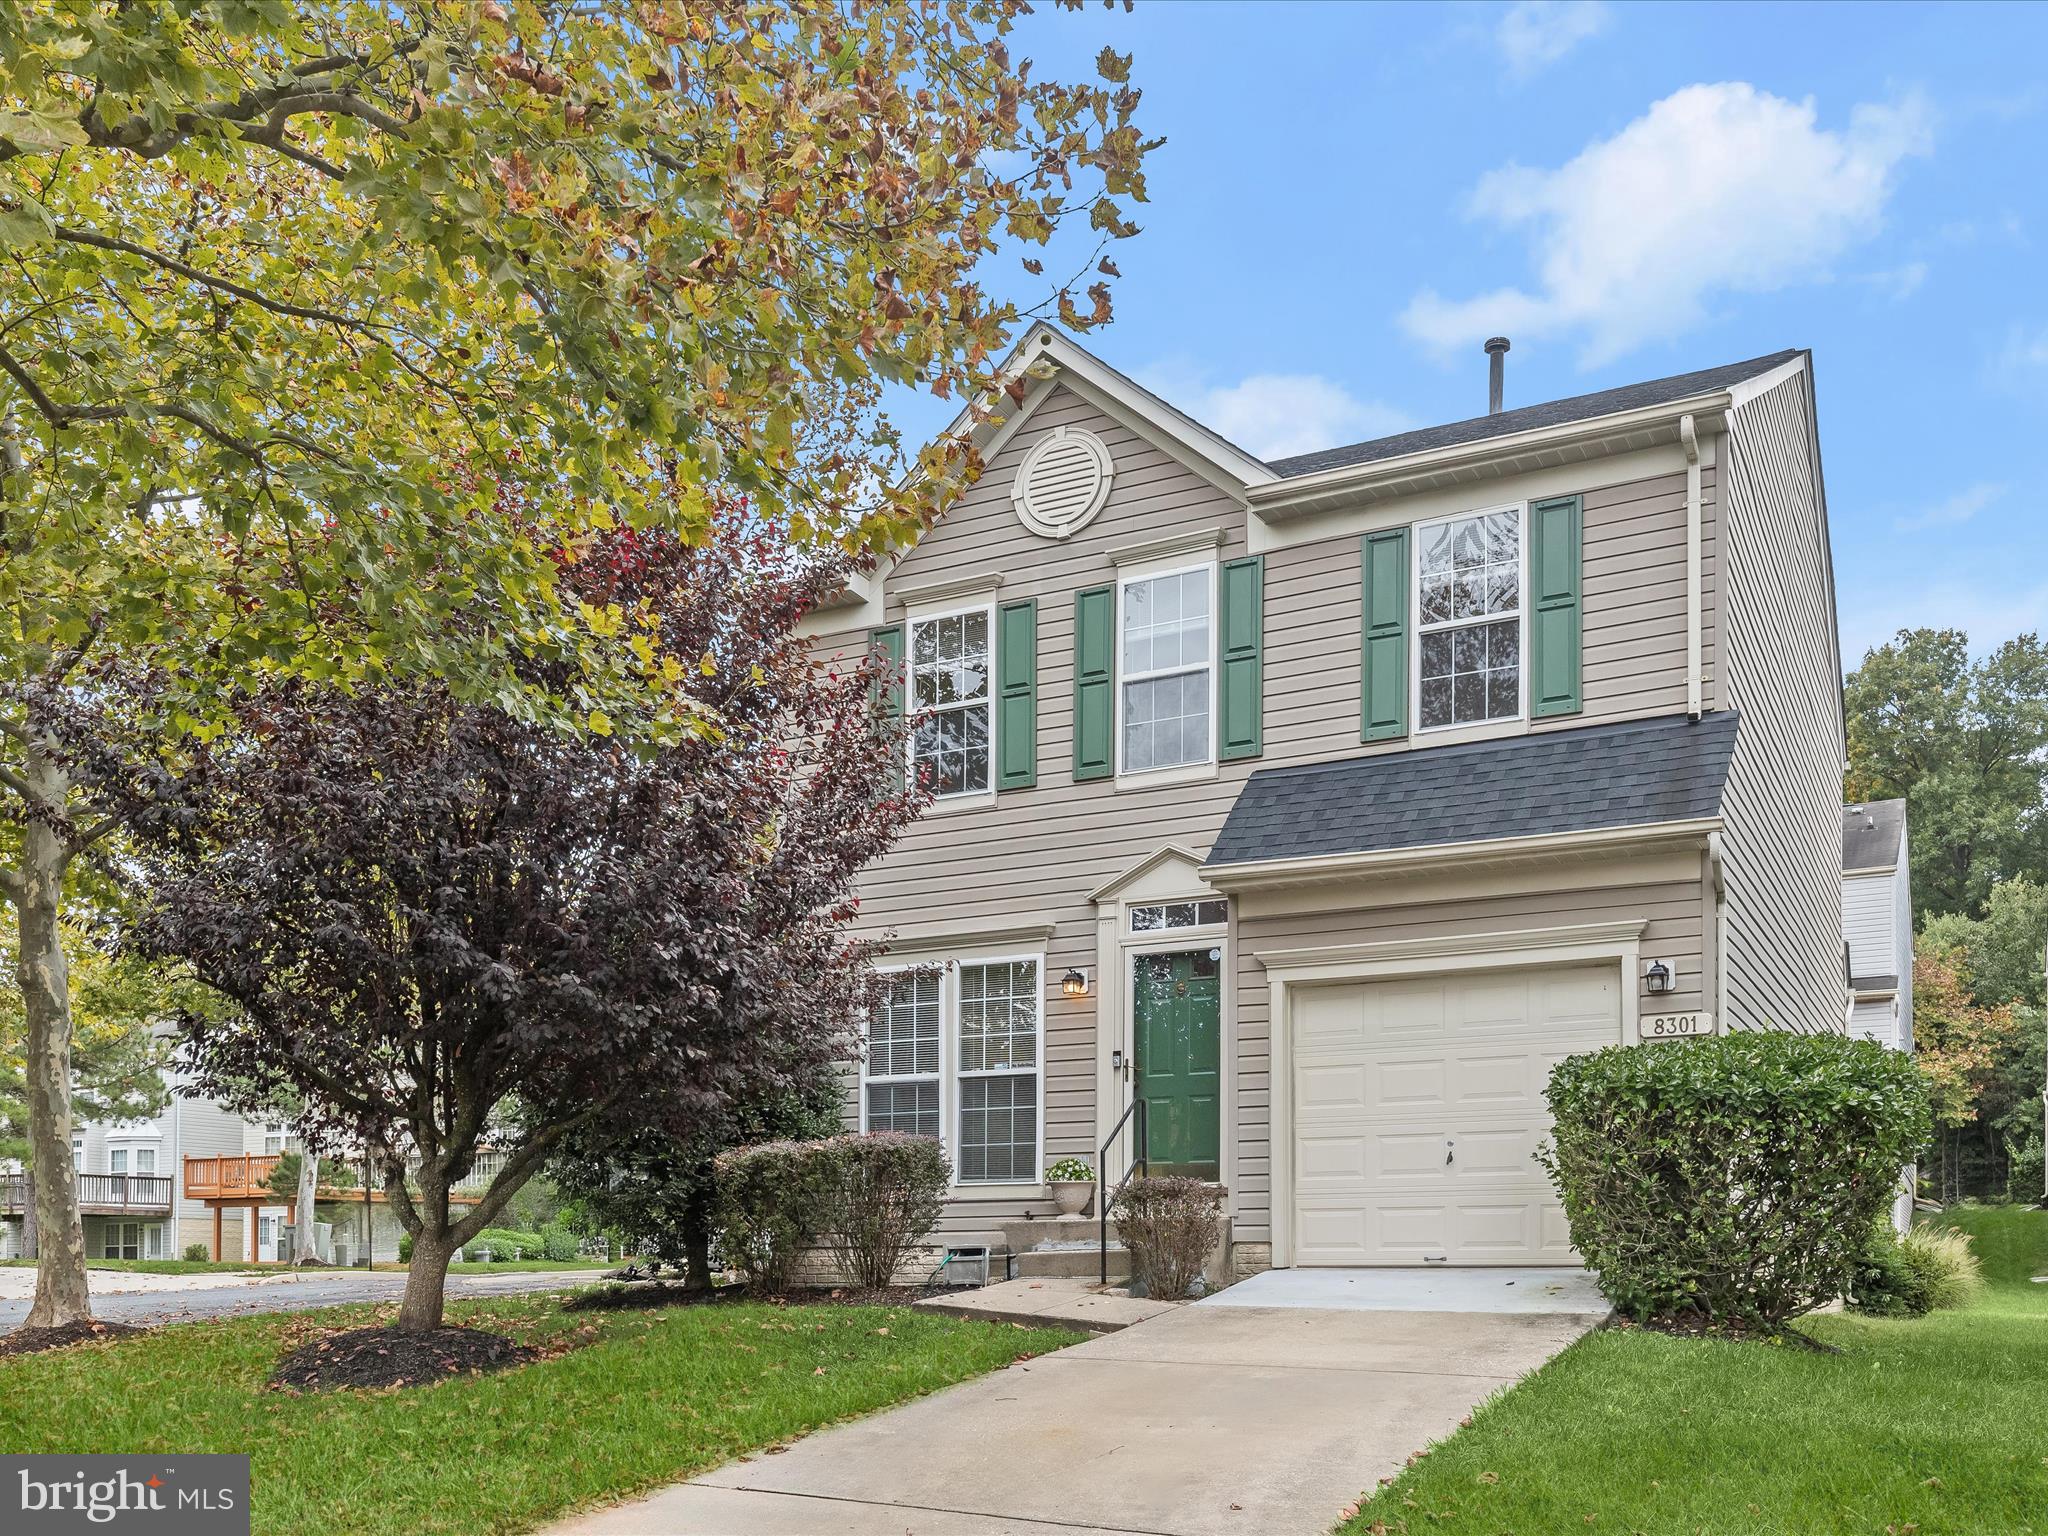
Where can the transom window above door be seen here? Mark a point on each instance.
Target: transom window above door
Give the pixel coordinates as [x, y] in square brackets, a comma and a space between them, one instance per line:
[1468, 609]
[949, 702]
[1159, 916]
[1166, 640]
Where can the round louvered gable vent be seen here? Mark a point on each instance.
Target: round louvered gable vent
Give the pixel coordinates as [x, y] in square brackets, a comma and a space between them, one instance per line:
[1062, 483]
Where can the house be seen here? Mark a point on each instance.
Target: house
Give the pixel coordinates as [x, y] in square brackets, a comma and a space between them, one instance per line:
[1320, 806]
[1877, 937]
[132, 1203]
[1877, 922]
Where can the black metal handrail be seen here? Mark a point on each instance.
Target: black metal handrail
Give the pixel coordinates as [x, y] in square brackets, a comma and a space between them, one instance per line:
[1103, 1194]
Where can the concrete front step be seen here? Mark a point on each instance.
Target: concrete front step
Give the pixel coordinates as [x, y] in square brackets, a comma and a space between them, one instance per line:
[1071, 1264]
[1052, 1232]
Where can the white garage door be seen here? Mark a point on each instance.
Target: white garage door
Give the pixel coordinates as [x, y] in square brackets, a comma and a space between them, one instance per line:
[1418, 1104]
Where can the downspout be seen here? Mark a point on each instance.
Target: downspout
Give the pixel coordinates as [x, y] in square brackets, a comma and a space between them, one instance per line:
[1688, 438]
[1717, 885]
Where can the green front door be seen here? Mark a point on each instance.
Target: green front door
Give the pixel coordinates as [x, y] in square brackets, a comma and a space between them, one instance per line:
[1179, 1035]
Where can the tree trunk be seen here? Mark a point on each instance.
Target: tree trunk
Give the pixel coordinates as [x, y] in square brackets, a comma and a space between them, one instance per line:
[304, 1251]
[28, 1209]
[426, 1283]
[697, 1235]
[45, 979]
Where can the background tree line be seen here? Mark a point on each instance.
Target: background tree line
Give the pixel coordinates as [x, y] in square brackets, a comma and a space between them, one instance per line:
[1965, 743]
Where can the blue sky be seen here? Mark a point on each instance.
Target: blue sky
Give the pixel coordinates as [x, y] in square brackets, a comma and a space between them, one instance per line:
[1350, 199]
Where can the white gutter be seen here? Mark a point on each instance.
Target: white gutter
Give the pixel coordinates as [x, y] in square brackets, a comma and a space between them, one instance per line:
[1688, 437]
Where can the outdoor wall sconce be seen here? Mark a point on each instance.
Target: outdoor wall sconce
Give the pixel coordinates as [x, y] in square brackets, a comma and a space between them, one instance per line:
[1074, 983]
[1657, 977]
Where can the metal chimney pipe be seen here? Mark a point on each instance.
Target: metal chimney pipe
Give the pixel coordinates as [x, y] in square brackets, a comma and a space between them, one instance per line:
[1496, 349]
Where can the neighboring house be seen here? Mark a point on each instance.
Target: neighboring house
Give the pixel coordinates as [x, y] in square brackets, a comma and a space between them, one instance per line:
[1325, 804]
[132, 1201]
[1877, 937]
[1877, 922]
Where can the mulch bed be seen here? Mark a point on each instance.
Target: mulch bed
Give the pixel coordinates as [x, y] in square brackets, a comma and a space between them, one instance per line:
[1692, 1325]
[33, 1341]
[384, 1357]
[636, 1295]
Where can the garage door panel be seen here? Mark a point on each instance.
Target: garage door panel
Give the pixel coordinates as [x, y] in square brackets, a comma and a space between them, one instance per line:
[1402, 1072]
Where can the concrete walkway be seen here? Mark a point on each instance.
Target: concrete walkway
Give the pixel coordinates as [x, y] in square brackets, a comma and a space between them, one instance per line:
[1055, 1301]
[1419, 1290]
[1203, 1421]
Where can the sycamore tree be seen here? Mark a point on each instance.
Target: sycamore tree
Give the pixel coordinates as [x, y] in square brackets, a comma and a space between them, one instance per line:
[446, 929]
[1965, 742]
[323, 329]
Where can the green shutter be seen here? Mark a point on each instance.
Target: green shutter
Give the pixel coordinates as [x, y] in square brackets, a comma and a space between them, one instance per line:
[1017, 694]
[1095, 683]
[887, 644]
[1241, 689]
[1383, 617]
[1554, 623]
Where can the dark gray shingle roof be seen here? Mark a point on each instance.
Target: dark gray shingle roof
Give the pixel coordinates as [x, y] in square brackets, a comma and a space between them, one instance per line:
[1870, 833]
[1630, 774]
[1606, 402]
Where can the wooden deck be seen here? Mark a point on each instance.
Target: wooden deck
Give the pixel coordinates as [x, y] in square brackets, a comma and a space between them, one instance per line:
[100, 1194]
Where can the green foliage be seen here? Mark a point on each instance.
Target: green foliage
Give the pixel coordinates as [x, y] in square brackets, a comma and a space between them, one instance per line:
[883, 1197]
[1732, 1179]
[771, 1205]
[2010, 1242]
[197, 1253]
[1070, 1170]
[500, 1245]
[335, 1173]
[1978, 1041]
[1170, 1225]
[405, 1247]
[1885, 1281]
[1963, 741]
[558, 1244]
[1946, 1266]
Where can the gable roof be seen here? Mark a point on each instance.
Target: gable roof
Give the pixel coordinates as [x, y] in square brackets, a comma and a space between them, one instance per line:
[1634, 773]
[1606, 402]
[1871, 834]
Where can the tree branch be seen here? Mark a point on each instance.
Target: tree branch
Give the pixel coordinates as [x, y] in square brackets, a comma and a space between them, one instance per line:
[12, 887]
[186, 269]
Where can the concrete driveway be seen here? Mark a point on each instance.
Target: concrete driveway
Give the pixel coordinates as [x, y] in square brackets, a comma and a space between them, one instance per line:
[1206, 1421]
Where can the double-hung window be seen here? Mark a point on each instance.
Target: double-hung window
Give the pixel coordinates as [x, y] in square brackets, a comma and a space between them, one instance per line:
[951, 734]
[999, 1073]
[117, 1160]
[1166, 670]
[902, 1070]
[1468, 619]
[956, 1055]
[145, 1159]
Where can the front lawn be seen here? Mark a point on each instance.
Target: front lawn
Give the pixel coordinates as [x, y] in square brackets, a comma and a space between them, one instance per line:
[646, 1398]
[1928, 1425]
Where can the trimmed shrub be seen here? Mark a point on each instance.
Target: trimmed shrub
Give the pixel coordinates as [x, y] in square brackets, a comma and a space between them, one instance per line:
[771, 1205]
[507, 1246]
[884, 1193]
[1883, 1281]
[558, 1244]
[1945, 1264]
[1732, 1180]
[1170, 1225]
[197, 1253]
[405, 1248]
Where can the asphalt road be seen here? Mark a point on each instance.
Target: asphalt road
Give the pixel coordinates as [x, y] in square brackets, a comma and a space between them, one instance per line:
[300, 1294]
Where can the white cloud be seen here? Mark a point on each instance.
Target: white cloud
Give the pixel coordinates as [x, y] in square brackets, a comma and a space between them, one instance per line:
[1275, 415]
[1977, 604]
[1959, 508]
[1716, 189]
[1534, 34]
[2025, 347]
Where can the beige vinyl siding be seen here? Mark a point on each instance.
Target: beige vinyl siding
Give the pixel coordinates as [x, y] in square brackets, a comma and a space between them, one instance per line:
[1672, 910]
[1902, 937]
[1783, 798]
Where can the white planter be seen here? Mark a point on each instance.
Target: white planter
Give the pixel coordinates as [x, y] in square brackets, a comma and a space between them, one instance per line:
[1073, 1197]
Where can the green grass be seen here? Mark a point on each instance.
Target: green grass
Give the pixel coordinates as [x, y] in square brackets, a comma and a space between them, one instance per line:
[1929, 1425]
[643, 1398]
[162, 1266]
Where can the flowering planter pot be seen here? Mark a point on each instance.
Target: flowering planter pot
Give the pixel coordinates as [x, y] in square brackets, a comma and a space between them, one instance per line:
[1073, 1197]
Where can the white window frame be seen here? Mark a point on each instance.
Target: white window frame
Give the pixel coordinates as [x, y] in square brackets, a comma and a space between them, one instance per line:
[114, 1155]
[153, 1246]
[146, 1151]
[1503, 722]
[78, 1152]
[911, 621]
[949, 1059]
[888, 976]
[282, 1135]
[959, 1073]
[1120, 675]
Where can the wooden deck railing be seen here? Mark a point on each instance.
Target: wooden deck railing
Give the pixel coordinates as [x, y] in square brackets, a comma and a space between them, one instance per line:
[246, 1176]
[101, 1193]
